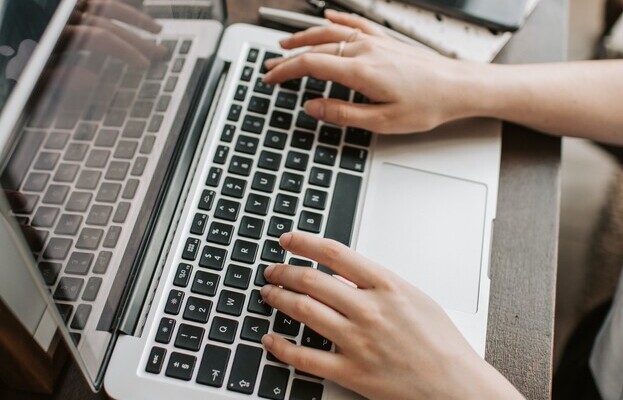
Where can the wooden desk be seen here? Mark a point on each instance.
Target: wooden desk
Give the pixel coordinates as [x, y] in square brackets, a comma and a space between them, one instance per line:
[525, 242]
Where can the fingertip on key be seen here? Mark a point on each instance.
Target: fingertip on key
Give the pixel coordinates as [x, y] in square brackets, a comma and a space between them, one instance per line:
[285, 239]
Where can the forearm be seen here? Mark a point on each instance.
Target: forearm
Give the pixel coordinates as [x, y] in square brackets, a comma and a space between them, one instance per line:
[582, 99]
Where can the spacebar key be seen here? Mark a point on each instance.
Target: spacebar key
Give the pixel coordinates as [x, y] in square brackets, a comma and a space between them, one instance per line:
[343, 209]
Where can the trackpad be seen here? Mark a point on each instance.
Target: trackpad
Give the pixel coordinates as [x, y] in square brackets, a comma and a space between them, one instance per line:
[429, 229]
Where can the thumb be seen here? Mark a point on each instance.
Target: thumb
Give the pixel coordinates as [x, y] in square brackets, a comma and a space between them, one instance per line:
[365, 116]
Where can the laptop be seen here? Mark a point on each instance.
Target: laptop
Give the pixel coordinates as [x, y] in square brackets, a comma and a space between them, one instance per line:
[147, 201]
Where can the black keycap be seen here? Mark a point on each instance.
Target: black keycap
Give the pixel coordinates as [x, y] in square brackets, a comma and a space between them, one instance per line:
[315, 199]
[286, 100]
[310, 222]
[155, 360]
[309, 96]
[237, 276]
[253, 124]
[230, 302]
[197, 310]
[253, 54]
[182, 275]
[291, 182]
[181, 366]
[223, 330]
[49, 271]
[157, 71]
[220, 233]
[325, 155]
[107, 137]
[30, 200]
[108, 192]
[358, 137]
[214, 176]
[293, 84]
[272, 252]
[141, 109]
[254, 328]
[185, 46]
[251, 227]
[247, 72]
[240, 165]
[241, 93]
[46, 161]
[257, 304]
[134, 129]
[68, 224]
[312, 339]
[99, 215]
[66, 173]
[165, 330]
[286, 325]
[316, 84]
[306, 121]
[220, 156]
[296, 160]
[302, 140]
[178, 64]
[306, 390]
[45, 217]
[228, 133]
[198, 226]
[55, 141]
[234, 187]
[274, 383]
[212, 257]
[189, 337]
[118, 170]
[285, 204]
[320, 177]
[205, 283]
[213, 366]
[234, 112]
[353, 158]
[139, 166]
[260, 280]
[227, 210]
[88, 179]
[259, 104]
[267, 56]
[112, 237]
[78, 201]
[244, 369]
[174, 302]
[281, 120]
[149, 90]
[257, 204]
[299, 262]
[264, 88]
[56, 194]
[68, 289]
[206, 200]
[75, 152]
[81, 317]
[79, 263]
[36, 182]
[244, 251]
[247, 144]
[339, 92]
[102, 262]
[263, 182]
[65, 311]
[57, 249]
[269, 160]
[191, 249]
[92, 288]
[278, 226]
[154, 126]
[275, 139]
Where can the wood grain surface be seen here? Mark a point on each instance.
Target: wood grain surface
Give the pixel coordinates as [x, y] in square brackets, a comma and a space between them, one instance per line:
[524, 257]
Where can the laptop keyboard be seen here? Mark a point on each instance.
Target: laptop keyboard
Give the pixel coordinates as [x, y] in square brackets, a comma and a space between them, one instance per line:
[87, 160]
[274, 170]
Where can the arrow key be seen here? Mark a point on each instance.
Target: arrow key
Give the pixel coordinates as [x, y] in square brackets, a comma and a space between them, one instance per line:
[254, 328]
[274, 382]
[213, 365]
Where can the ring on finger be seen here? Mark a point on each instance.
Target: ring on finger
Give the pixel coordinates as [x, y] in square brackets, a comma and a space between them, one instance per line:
[340, 48]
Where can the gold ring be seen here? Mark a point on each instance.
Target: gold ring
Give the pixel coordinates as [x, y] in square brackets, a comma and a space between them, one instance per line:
[340, 49]
[353, 35]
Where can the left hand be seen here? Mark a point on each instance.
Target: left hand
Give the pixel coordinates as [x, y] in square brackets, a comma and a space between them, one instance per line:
[391, 340]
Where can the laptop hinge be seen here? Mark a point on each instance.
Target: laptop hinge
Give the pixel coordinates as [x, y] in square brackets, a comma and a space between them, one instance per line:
[164, 230]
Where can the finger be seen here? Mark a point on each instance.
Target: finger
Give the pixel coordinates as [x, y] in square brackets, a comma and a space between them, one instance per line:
[318, 35]
[322, 287]
[124, 13]
[321, 318]
[102, 41]
[316, 362]
[342, 260]
[338, 112]
[354, 21]
[329, 48]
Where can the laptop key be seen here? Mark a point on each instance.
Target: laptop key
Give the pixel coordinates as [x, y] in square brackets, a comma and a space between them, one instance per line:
[244, 251]
[117, 170]
[155, 123]
[353, 159]
[181, 366]
[49, 271]
[264, 182]
[57, 249]
[213, 365]
[228, 133]
[281, 120]
[155, 360]
[129, 191]
[359, 137]
[244, 369]
[220, 233]
[241, 93]
[258, 104]
[257, 304]
[227, 210]
[309, 96]
[274, 383]
[234, 187]
[197, 310]
[99, 215]
[134, 129]
[240, 165]
[251, 227]
[121, 213]
[285, 325]
[272, 252]
[285, 204]
[46, 160]
[89, 239]
[230, 302]
[320, 177]
[107, 137]
[213, 257]
[275, 139]
[223, 330]
[286, 100]
[234, 112]
[314, 340]
[253, 124]
[147, 145]
[263, 88]
[269, 160]
[325, 155]
[221, 154]
[306, 390]
[66, 173]
[56, 194]
[45, 217]
[237, 276]
[302, 140]
[247, 144]
[102, 262]
[165, 330]
[254, 328]
[340, 92]
[199, 223]
[27, 207]
[316, 84]
[315, 199]
[68, 224]
[293, 84]
[108, 192]
[278, 226]
[88, 179]
[260, 280]
[163, 103]
[252, 55]
[306, 121]
[291, 182]
[330, 135]
[182, 275]
[68, 289]
[205, 283]
[56, 140]
[310, 222]
[174, 302]
[79, 263]
[247, 72]
[91, 289]
[297, 161]
[178, 64]
[257, 204]
[83, 311]
[206, 200]
[214, 176]
[126, 149]
[191, 249]
[65, 310]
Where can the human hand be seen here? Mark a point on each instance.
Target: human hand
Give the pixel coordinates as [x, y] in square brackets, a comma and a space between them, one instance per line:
[391, 340]
[412, 89]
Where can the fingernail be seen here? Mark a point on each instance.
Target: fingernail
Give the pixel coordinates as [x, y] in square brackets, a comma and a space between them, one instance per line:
[267, 341]
[284, 41]
[315, 109]
[265, 290]
[285, 239]
[269, 270]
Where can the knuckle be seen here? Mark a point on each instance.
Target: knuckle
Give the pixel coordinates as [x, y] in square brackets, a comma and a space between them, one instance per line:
[301, 308]
[308, 278]
[332, 251]
[301, 361]
[341, 115]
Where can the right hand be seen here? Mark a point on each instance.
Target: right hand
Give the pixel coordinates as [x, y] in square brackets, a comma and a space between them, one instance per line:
[411, 89]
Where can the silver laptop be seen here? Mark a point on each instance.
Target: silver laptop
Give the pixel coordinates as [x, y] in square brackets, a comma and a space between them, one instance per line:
[148, 201]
